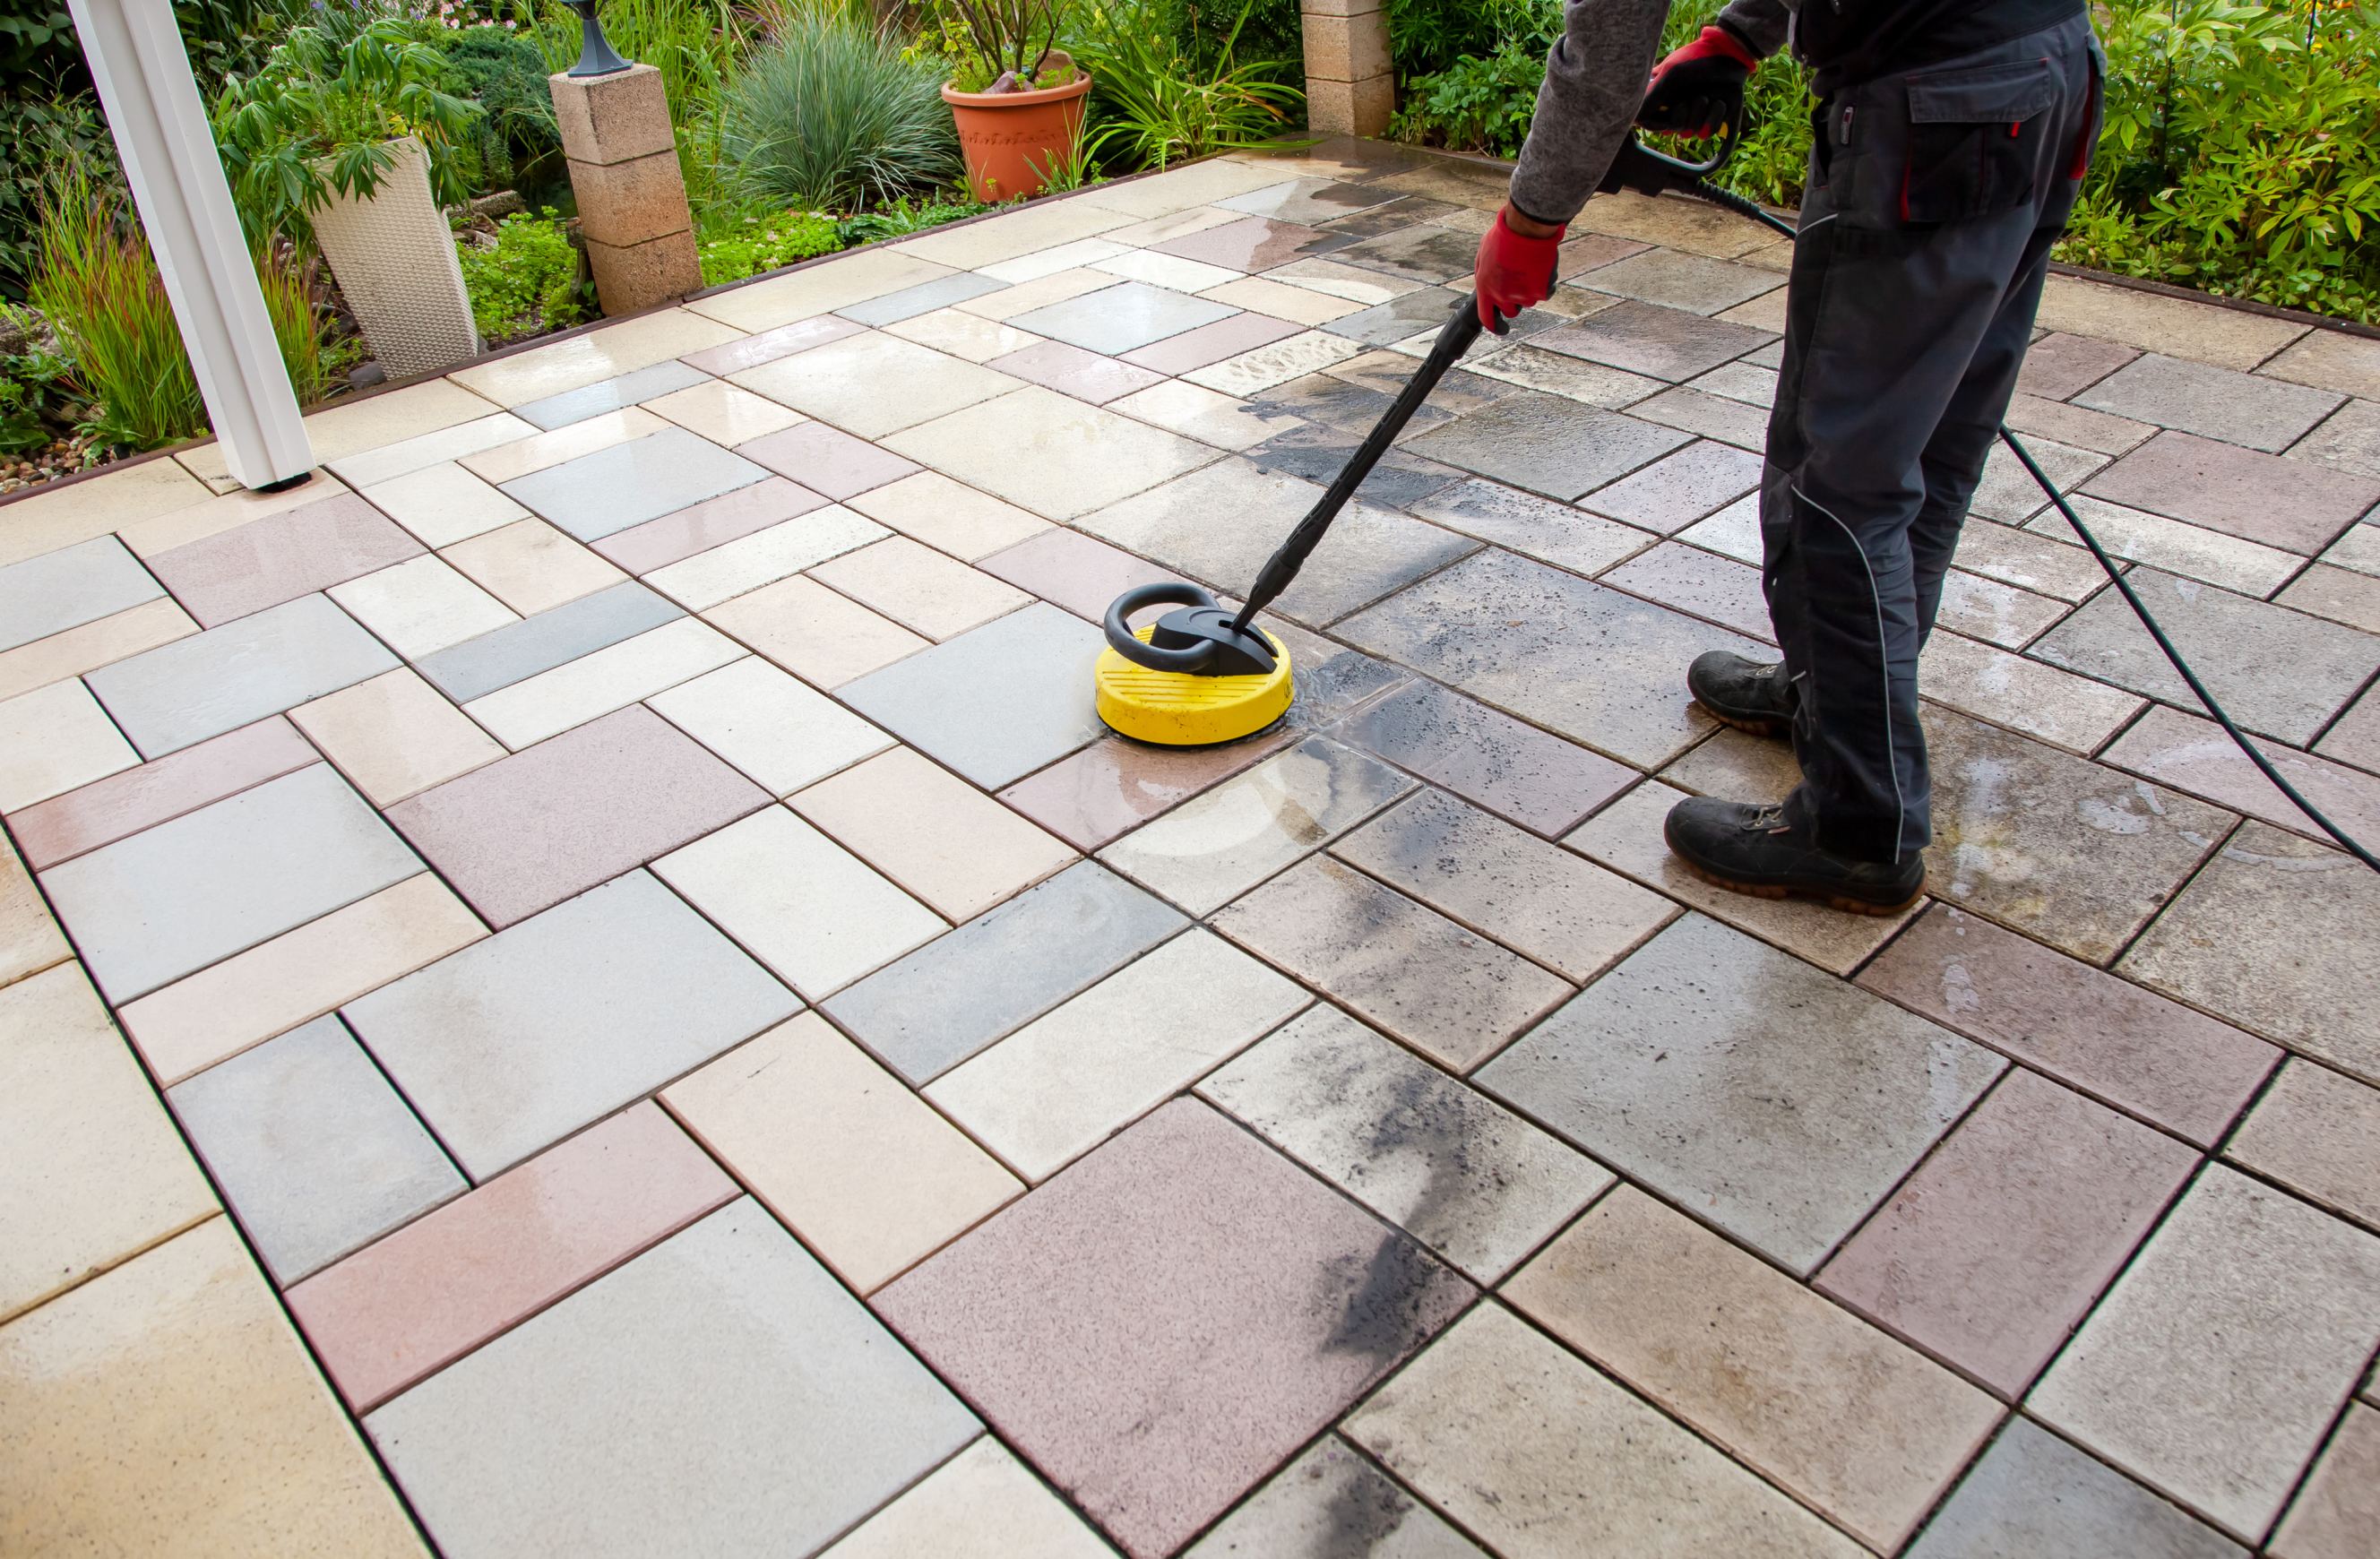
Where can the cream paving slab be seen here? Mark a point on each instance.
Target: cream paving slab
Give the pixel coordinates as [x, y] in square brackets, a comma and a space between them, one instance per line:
[1049, 453]
[395, 736]
[1179, 189]
[1350, 283]
[393, 416]
[1173, 224]
[929, 507]
[2317, 1133]
[2203, 333]
[975, 244]
[168, 1407]
[2212, 1368]
[937, 836]
[2078, 426]
[43, 522]
[779, 732]
[2329, 359]
[1063, 1083]
[745, 564]
[971, 337]
[386, 463]
[1544, 1458]
[816, 290]
[531, 567]
[1284, 300]
[593, 685]
[1164, 269]
[2022, 558]
[2060, 707]
[1467, 1177]
[854, 1163]
[298, 976]
[1208, 416]
[604, 353]
[442, 504]
[1025, 297]
[543, 451]
[55, 739]
[30, 940]
[1032, 266]
[421, 606]
[982, 1503]
[815, 915]
[1997, 613]
[819, 637]
[94, 1171]
[723, 413]
[2333, 1516]
[1867, 1431]
[872, 384]
[919, 588]
[92, 646]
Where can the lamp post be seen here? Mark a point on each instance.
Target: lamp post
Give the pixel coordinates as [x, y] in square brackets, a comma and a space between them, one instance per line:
[596, 55]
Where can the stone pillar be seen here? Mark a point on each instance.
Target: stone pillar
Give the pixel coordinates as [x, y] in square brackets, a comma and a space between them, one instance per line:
[615, 131]
[1350, 87]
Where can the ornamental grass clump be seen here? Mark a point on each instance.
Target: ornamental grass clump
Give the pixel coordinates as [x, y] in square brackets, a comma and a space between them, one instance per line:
[828, 114]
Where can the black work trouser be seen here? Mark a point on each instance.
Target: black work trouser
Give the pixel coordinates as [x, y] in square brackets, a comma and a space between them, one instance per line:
[1934, 198]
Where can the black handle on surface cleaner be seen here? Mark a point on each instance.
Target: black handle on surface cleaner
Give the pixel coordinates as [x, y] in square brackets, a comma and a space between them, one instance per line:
[1455, 338]
[1198, 640]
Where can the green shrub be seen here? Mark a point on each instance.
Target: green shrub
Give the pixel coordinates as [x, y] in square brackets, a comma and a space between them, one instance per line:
[1154, 105]
[506, 74]
[830, 115]
[527, 283]
[735, 243]
[1477, 104]
[34, 400]
[903, 217]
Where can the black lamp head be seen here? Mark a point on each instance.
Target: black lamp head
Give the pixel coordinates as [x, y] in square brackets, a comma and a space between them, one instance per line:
[596, 55]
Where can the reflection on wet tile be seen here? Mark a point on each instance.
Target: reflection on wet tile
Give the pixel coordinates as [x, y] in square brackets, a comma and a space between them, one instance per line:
[1114, 785]
[827, 460]
[1554, 532]
[1417, 254]
[873, 385]
[995, 703]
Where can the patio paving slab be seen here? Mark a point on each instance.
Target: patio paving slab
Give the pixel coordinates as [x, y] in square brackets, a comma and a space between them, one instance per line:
[2239, 408]
[1545, 1458]
[552, 702]
[124, 804]
[1399, 965]
[1208, 416]
[2061, 364]
[959, 993]
[1309, 200]
[764, 557]
[1592, 383]
[2193, 754]
[827, 460]
[1534, 527]
[1159, 1328]
[2317, 1133]
[2332, 1515]
[1474, 1183]
[518, 1040]
[369, 467]
[2282, 1304]
[2056, 707]
[982, 1503]
[2023, 558]
[724, 413]
[1122, 318]
[77, 651]
[2034, 1494]
[422, 606]
[148, 910]
[395, 736]
[531, 567]
[1989, 1255]
[1331, 1496]
[611, 395]
[1678, 489]
[541, 452]
[1693, 581]
[1712, 416]
[995, 703]
[655, 1409]
[2292, 504]
[66, 588]
[1700, 1069]
[1645, 338]
[181, 694]
[55, 740]
[1997, 613]
[2348, 441]
[2149, 1056]
[1073, 571]
[1514, 770]
[1695, 282]
[1062, 1084]
[517, 651]
[1049, 453]
[923, 298]
[932, 832]
[1425, 254]
[824, 638]
[627, 484]
[2193, 551]
[1070, 371]
[1399, 481]
[2008, 493]
[919, 588]
[1211, 343]
[1548, 444]
[929, 507]
[779, 732]
[872, 384]
[313, 1149]
[714, 522]
[2341, 595]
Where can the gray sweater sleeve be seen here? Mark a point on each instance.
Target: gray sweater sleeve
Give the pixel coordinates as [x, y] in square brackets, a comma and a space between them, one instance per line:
[1595, 81]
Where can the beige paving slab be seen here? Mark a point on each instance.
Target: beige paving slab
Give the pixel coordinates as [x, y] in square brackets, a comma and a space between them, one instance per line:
[421, 606]
[395, 736]
[2136, 536]
[93, 644]
[444, 504]
[1066, 1081]
[862, 1169]
[1164, 269]
[2060, 707]
[393, 416]
[2197, 755]
[1025, 297]
[1290, 357]
[55, 739]
[974, 337]
[1208, 416]
[2210, 1371]
[798, 902]
[816, 290]
[1544, 1458]
[94, 506]
[531, 567]
[873, 385]
[1050, 454]
[1179, 189]
[1045, 225]
[921, 588]
[92, 1170]
[723, 413]
[298, 976]
[2068, 424]
[1293, 301]
[612, 678]
[982, 1503]
[764, 557]
[932, 832]
[228, 510]
[781, 733]
[948, 515]
[824, 638]
[1865, 1429]
[2318, 1133]
[2202, 332]
[590, 358]
[386, 463]
[2330, 360]
[29, 940]
[1175, 225]
[541, 451]
[168, 1407]
[2337, 1512]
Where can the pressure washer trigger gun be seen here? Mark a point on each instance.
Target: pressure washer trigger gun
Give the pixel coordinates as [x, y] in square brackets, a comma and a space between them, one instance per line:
[1639, 168]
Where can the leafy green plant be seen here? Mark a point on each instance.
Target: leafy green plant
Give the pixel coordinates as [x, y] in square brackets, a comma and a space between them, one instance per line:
[1156, 106]
[318, 118]
[735, 243]
[903, 217]
[1476, 103]
[98, 285]
[527, 283]
[830, 115]
[39, 137]
[1011, 46]
[1429, 36]
[34, 400]
[295, 299]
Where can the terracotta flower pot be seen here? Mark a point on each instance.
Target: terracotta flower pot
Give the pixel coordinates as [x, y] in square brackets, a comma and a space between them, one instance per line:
[1013, 140]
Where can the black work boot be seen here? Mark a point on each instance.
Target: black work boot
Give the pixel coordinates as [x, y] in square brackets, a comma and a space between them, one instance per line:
[1748, 694]
[1770, 853]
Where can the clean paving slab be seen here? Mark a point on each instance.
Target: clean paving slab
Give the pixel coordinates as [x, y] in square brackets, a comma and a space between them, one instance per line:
[1771, 1101]
[611, 394]
[658, 1410]
[1680, 488]
[929, 507]
[421, 606]
[395, 736]
[779, 732]
[1120, 319]
[516, 1042]
[2034, 1495]
[627, 484]
[69, 587]
[827, 460]
[150, 909]
[714, 522]
[517, 651]
[2317, 1133]
[2294, 505]
[872, 384]
[743, 566]
[1047, 452]
[920, 588]
[182, 693]
[2197, 755]
[923, 298]
[1114, 785]
[122, 805]
[1677, 280]
[994, 703]
[311, 1147]
[933, 833]
[982, 1503]
[957, 994]
[2249, 568]
[56, 740]
[531, 567]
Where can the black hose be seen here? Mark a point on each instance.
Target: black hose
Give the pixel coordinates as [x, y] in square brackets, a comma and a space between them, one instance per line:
[1741, 207]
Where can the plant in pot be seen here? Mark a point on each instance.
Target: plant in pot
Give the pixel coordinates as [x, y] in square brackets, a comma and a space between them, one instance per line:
[1017, 98]
[354, 141]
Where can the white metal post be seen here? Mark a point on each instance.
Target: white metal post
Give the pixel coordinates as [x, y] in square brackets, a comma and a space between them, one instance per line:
[143, 75]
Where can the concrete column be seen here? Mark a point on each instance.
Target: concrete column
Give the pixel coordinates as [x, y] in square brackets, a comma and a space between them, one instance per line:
[1350, 86]
[615, 131]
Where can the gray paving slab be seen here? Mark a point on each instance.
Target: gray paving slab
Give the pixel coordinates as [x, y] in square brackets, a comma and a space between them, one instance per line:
[627, 389]
[69, 587]
[170, 697]
[1744, 1086]
[518, 1041]
[1313, 200]
[1399, 479]
[1002, 969]
[995, 703]
[313, 1148]
[1385, 324]
[628, 484]
[1646, 338]
[1514, 769]
[2033, 1496]
[1123, 317]
[519, 650]
[923, 298]
[2294, 505]
[1549, 443]
[1539, 527]
[1677, 280]
[2215, 403]
[175, 898]
[1417, 254]
[719, 1393]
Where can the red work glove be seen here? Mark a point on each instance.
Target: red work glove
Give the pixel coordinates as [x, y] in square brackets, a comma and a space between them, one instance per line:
[1515, 271]
[1700, 87]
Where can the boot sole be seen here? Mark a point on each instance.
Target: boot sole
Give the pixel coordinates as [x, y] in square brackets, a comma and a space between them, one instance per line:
[1749, 724]
[1778, 890]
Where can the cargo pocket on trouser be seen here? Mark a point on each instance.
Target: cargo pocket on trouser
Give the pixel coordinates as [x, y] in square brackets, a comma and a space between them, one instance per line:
[1974, 140]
